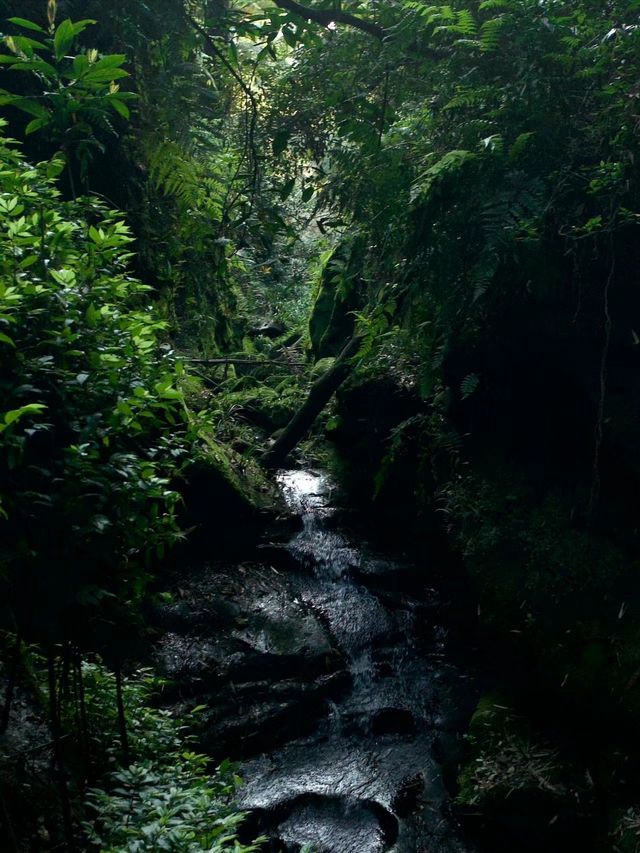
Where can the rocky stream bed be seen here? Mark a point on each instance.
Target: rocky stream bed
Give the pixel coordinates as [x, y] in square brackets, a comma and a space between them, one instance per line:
[327, 672]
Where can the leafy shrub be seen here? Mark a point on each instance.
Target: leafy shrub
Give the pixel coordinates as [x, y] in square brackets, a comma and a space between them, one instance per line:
[151, 731]
[626, 832]
[166, 799]
[75, 96]
[92, 425]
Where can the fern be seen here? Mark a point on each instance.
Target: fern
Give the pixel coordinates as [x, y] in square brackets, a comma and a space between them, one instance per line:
[490, 34]
[174, 172]
[469, 384]
[469, 97]
[465, 23]
[431, 14]
[452, 162]
[520, 146]
[510, 216]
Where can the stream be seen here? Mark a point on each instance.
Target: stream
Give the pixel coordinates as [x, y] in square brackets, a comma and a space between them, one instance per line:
[327, 672]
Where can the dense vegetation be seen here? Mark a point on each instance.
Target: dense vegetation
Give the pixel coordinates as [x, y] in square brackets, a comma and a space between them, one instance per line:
[235, 232]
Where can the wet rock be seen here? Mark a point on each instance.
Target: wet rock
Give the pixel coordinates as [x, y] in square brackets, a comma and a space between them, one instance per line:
[320, 675]
[186, 615]
[330, 825]
[222, 485]
[279, 556]
[255, 716]
[393, 721]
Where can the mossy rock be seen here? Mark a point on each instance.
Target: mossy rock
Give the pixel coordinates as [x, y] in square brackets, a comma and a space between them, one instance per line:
[322, 366]
[269, 409]
[332, 320]
[223, 491]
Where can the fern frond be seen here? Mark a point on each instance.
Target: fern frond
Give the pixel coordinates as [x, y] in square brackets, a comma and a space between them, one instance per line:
[488, 5]
[519, 146]
[452, 162]
[466, 98]
[465, 23]
[490, 34]
[174, 172]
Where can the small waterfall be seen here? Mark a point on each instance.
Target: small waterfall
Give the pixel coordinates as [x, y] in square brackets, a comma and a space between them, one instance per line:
[337, 789]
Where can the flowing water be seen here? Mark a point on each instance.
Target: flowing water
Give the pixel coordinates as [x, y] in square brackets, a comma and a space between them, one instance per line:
[369, 776]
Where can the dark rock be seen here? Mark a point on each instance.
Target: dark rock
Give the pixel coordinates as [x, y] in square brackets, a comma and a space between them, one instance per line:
[261, 725]
[270, 330]
[393, 721]
[408, 797]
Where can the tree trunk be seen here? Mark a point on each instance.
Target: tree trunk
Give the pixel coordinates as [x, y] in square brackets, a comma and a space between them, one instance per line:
[54, 721]
[319, 395]
[11, 683]
[122, 718]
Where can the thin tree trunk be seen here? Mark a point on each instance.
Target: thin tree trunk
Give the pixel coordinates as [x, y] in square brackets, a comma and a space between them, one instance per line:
[319, 395]
[54, 718]
[11, 683]
[78, 709]
[122, 718]
[10, 837]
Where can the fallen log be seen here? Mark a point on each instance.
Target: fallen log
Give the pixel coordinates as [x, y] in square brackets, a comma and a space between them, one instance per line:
[319, 395]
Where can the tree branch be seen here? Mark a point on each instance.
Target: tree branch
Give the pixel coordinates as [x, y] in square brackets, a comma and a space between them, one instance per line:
[324, 17]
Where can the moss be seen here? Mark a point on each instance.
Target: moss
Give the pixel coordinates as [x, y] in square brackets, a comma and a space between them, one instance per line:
[322, 366]
[269, 408]
[332, 318]
[222, 491]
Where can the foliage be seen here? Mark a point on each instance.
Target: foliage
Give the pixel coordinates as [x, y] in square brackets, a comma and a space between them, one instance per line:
[167, 799]
[524, 553]
[78, 94]
[504, 759]
[92, 419]
[170, 805]
[626, 831]
[151, 731]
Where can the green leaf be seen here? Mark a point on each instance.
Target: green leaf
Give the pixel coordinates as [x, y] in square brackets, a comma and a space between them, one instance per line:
[287, 189]
[26, 25]
[25, 44]
[15, 414]
[65, 35]
[289, 36]
[56, 166]
[5, 339]
[36, 124]
[36, 65]
[104, 75]
[65, 277]
[119, 106]
[33, 108]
